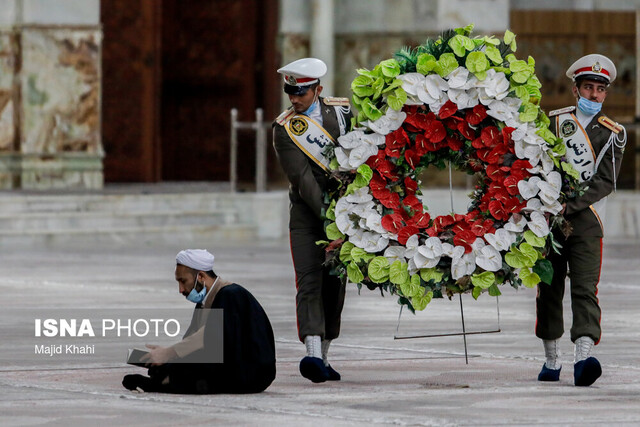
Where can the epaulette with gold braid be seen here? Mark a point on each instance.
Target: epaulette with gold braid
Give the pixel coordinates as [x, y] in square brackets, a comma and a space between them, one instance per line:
[333, 100]
[285, 116]
[561, 111]
[610, 124]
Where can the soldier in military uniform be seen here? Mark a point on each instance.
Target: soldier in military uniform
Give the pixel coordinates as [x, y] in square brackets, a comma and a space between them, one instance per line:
[595, 146]
[301, 135]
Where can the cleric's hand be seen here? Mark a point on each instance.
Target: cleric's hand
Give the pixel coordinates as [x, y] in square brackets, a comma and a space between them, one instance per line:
[158, 355]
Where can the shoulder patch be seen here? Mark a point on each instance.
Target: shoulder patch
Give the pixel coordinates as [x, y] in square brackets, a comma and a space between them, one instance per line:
[285, 116]
[561, 111]
[333, 100]
[610, 124]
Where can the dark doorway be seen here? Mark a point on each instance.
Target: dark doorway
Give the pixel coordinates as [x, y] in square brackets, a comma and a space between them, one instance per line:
[172, 70]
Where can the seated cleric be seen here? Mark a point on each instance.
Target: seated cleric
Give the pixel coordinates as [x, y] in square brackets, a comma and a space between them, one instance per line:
[249, 364]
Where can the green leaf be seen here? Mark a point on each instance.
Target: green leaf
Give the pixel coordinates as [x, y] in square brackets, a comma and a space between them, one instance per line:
[331, 210]
[529, 113]
[518, 66]
[390, 68]
[522, 93]
[420, 302]
[544, 269]
[477, 290]
[529, 278]
[354, 274]
[368, 73]
[411, 287]
[477, 62]
[345, 251]
[377, 86]
[358, 254]
[465, 31]
[398, 272]
[491, 40]
[493, 54]
[494, 291]
[394, 84]
[364, 174]
[446, 64]
[429, 274]
[508, 37]
[534, 240]
[529, 252]
[333, 165]
[461, 44]
[370, 111]
[547, 135]
[521, 76]
[483, 280]
[426, 63]
[397, 99]
[379, 269]
[333, 233]
[510, 40]
[570, 170]
[533, 81]
[559, 149]
[361, 86]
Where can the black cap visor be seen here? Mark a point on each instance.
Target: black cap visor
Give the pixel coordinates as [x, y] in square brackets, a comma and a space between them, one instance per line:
[592, 77]
[296, 90]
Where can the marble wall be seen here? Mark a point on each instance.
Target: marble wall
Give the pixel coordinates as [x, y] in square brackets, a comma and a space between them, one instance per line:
[50, 94]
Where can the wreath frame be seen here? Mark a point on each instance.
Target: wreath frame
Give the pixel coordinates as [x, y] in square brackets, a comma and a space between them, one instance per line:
[379, 233]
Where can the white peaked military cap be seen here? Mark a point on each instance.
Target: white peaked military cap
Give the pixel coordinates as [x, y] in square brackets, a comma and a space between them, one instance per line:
[302, 73]
[595, 67]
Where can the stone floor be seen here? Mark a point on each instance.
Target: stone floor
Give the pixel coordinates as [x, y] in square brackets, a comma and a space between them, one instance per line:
[386, 381]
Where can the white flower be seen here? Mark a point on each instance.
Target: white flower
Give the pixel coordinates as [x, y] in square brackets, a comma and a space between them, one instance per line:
[343, 206]
[464, 98]
[345, 224]
[374, 223]
[516, 223]
[342, 157]
[489, 259]
[538, 224]
[360, 195]
[361, 154]
[463, 266]
[395, 253]
[433, 90]
[429, 254]
[411, 82]
[351, 139]
[496, 85]
[501, 240]
[553, 208]
[550, 189]
[412, 246]
[529, 189]
[386, 124]
[458, 78]
[533, 205]
[369, 241]
[451, 251]
[500, 111]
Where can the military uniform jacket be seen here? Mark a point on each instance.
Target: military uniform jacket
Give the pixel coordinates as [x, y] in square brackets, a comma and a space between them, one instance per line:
[307, 180]
[582, 218]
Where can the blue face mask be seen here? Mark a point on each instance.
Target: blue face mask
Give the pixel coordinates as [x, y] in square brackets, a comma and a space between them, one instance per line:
[312, 107]
[195, 296]
[589, 107]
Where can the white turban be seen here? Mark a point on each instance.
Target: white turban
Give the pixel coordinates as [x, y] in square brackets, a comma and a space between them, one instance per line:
[198, 259]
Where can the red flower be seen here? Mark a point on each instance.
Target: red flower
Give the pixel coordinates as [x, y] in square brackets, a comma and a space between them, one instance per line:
[442, 221]
[419, 120]
[477, 143]
[436, 131]
[466, 131]
[414, 203]
[421, 219]
[475, 116]
[422, 145]
[412, 158]
[452, 122]
[465, 239]
[377, 182]
[374, 161]
[514, 205]
[460, 226]
[392, 201]
[496, 173]
[448, 109]
[392, 223]
[511, 184]
[387, 169]
[497, 211]
[491, 136]
[405, 233]
[506, 134]
[410, 185]
[454, 142]
[480, 227]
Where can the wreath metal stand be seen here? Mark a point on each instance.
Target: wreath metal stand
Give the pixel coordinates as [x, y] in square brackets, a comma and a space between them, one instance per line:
[464, 332]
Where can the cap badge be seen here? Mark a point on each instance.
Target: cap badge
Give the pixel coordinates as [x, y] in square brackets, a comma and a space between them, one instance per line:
[596, 68]
[292, 80]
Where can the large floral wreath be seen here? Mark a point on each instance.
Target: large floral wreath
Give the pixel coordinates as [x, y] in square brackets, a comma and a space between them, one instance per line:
[470, 102]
